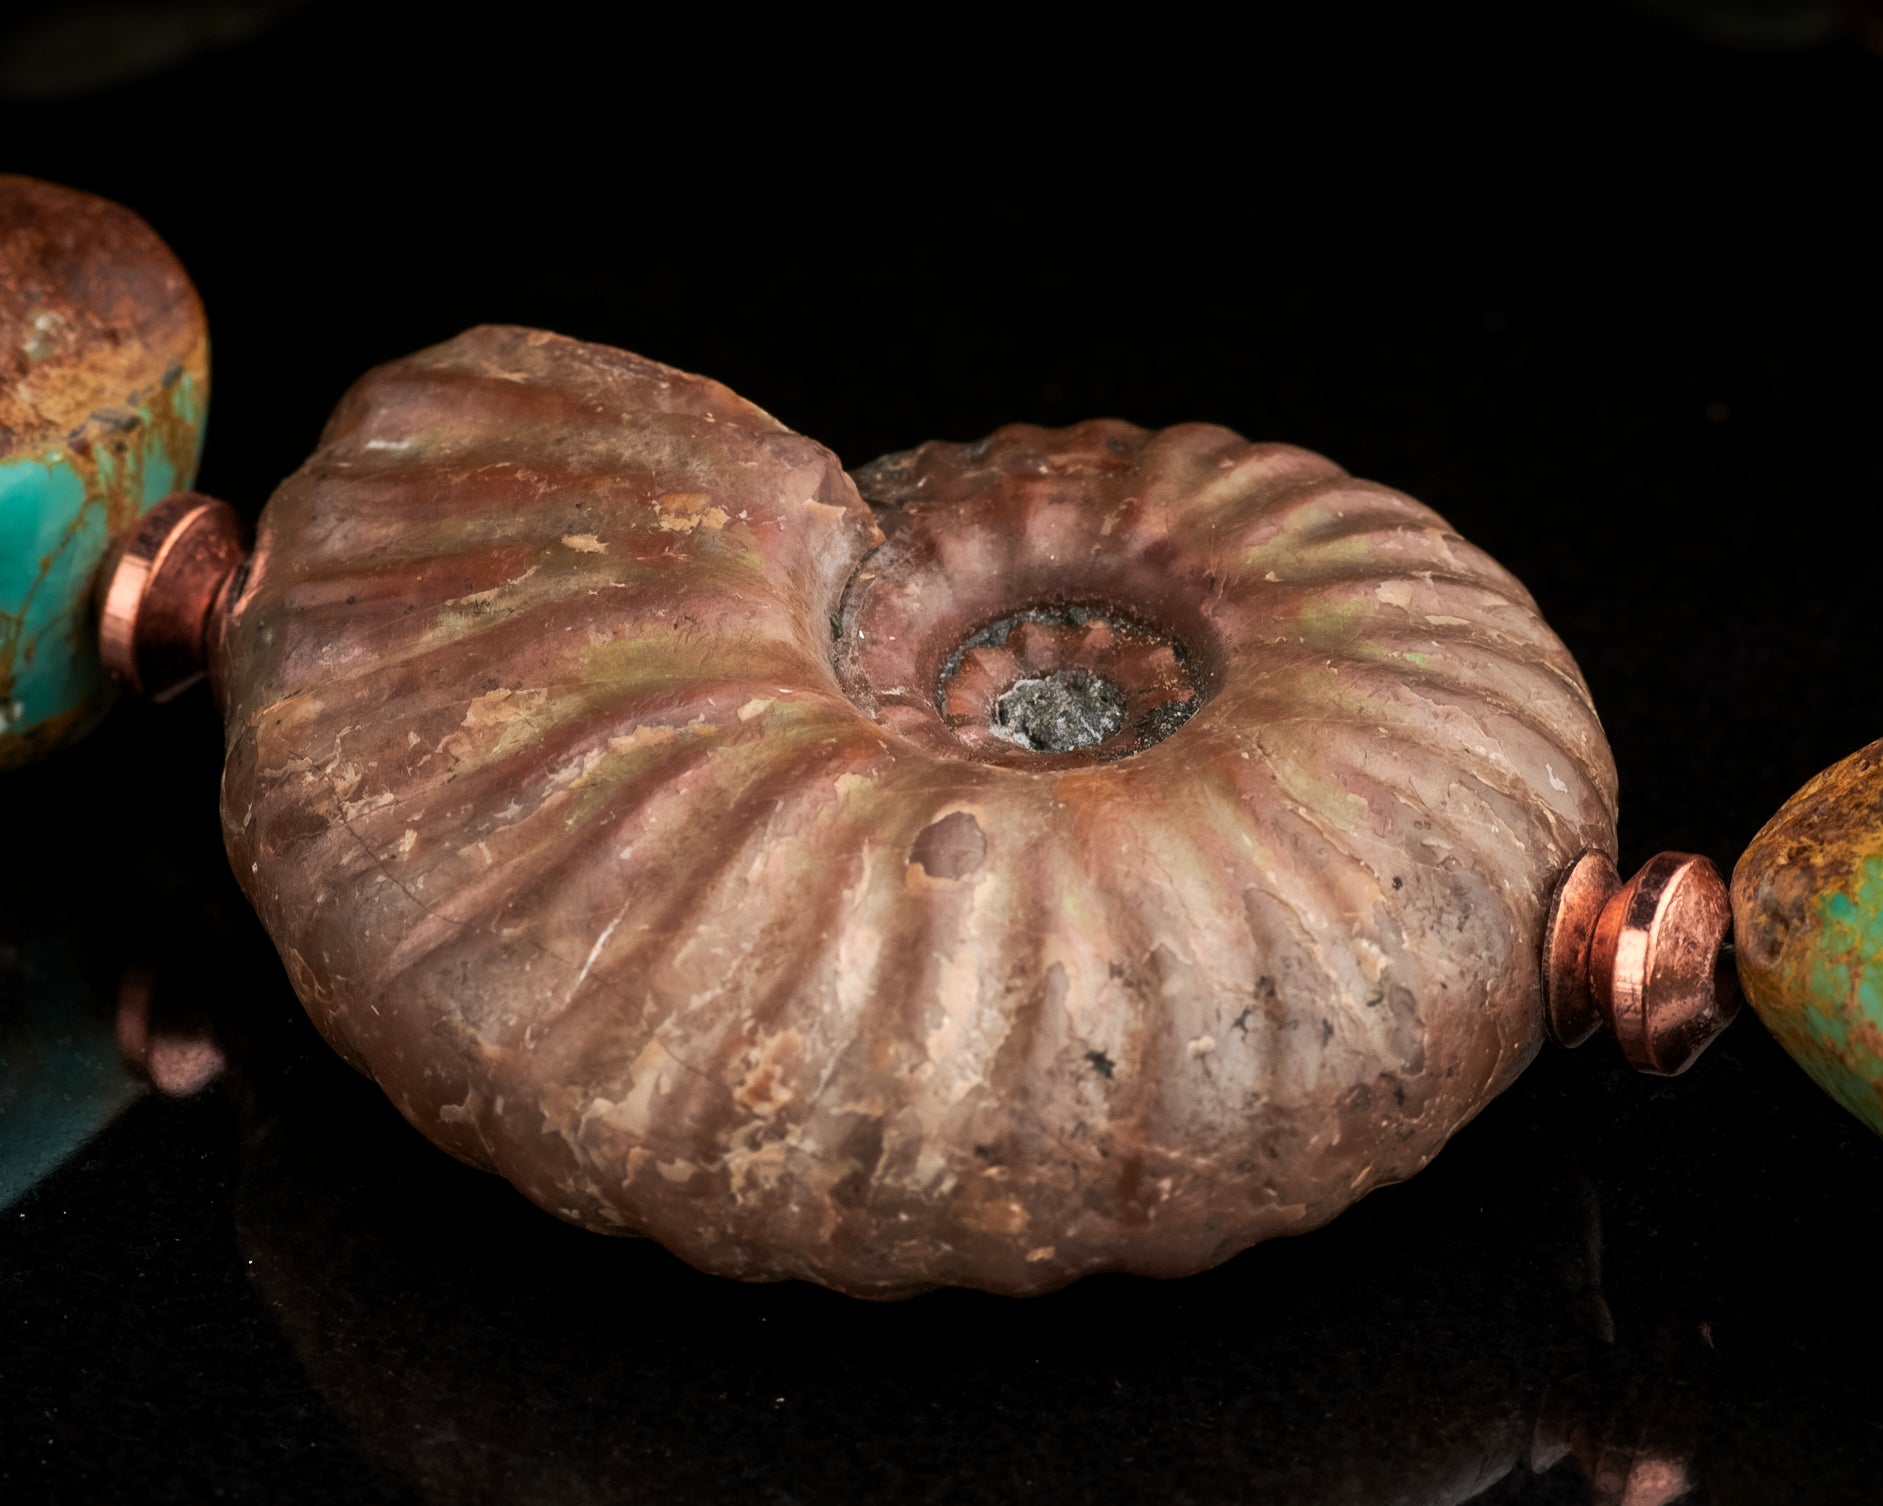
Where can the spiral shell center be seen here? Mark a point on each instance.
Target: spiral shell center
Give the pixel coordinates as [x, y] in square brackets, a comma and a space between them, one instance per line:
[1066, 680]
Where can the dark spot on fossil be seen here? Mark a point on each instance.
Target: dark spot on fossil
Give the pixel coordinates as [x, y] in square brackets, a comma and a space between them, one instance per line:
[1327, 1031]
[1101, 1063]
[1168, 717]
[1130, 1180]
[1241, 1021]
[862, 1147]
[950, 848]
[1398, 882]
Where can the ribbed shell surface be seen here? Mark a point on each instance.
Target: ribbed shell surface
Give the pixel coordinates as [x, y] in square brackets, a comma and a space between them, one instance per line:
[586, 825]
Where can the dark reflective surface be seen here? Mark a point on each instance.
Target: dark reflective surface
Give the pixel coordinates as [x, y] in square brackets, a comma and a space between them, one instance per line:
[1622, 328]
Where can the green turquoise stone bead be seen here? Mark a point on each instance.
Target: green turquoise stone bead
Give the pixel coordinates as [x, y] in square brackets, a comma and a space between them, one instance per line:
[104, 388]
[1808, 917]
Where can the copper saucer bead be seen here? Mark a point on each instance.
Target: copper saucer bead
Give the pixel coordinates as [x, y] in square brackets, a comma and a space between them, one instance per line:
[1157, 861]
[1651, 958]
[158, 591]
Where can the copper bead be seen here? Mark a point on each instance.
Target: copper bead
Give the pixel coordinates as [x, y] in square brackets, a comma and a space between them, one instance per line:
[1649, 958]
[157, 596]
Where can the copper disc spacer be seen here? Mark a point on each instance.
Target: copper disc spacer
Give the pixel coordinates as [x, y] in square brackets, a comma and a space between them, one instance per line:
[1648, 957]
[157, 594]
[1568, 1000]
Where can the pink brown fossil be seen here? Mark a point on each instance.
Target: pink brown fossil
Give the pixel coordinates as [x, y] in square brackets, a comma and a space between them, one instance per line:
[1086, 849]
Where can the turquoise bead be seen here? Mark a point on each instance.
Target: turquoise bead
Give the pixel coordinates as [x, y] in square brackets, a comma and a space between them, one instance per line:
[1808, 916]
[104, 388]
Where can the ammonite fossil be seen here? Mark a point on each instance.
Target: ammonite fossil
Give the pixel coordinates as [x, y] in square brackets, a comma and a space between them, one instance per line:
[1084, 849]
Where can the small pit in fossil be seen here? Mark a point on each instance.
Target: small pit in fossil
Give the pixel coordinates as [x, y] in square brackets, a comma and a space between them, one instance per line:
[1059, 712]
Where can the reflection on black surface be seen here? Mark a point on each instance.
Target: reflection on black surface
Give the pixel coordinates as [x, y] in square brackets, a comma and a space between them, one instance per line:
[1450, 1340]
[82, 933]
[61, 1080]
[84, 47]
[484, 1352]
[109, 963]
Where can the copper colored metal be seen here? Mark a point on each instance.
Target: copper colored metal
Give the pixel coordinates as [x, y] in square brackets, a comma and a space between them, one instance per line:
[157, 593]
[1568, 1000]
[1658, 963]
[1648, 957]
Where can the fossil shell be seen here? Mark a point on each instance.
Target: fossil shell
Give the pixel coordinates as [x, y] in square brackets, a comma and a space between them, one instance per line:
[663, 838]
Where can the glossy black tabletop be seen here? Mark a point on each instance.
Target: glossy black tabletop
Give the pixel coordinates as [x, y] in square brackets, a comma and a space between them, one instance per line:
[1602, 286]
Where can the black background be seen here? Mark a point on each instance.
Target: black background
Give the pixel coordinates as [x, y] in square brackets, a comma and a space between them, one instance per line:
[1605, 291]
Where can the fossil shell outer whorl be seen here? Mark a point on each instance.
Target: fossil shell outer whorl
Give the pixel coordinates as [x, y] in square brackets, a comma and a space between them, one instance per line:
[579, 834]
